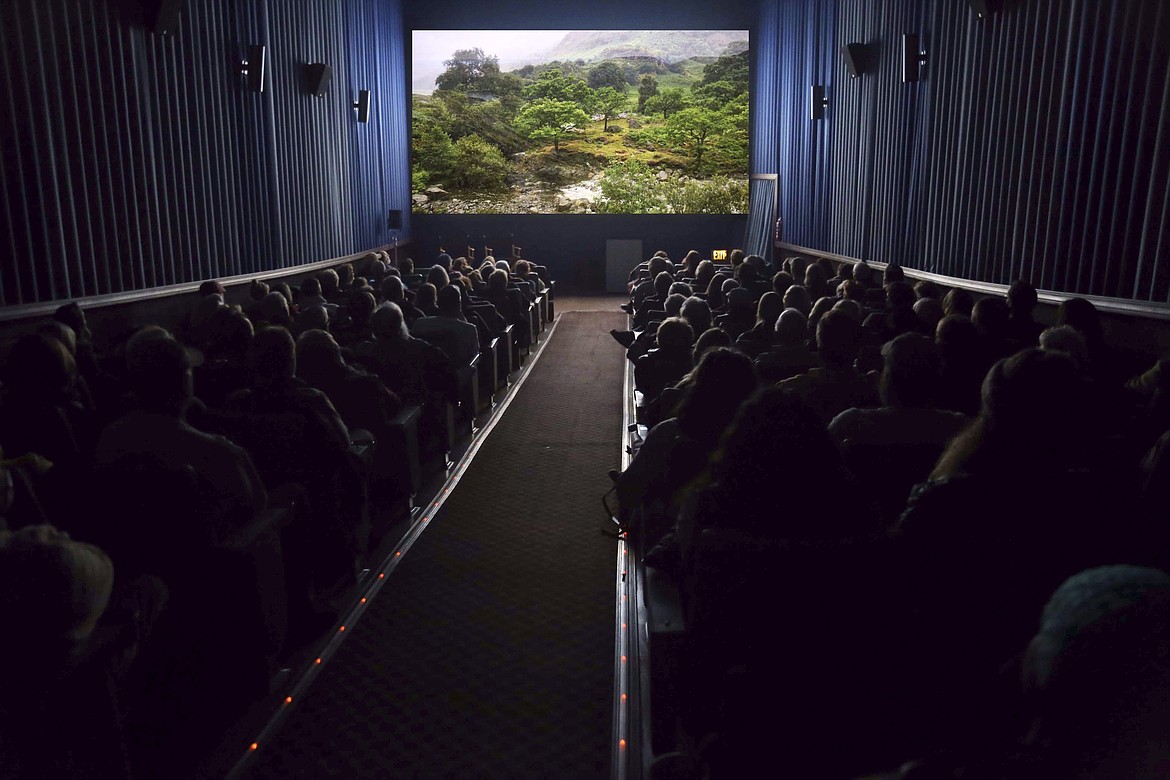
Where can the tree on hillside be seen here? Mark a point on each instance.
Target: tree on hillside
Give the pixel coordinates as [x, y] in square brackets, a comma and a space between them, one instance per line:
[692, 129]
[647, 88]
[554, 85]
[610, 103]
[608, 74]
[667, 101]
[477, 164]
[732, 68]
[715, 95]
[431, 145]
[467, 69]
[545, 119]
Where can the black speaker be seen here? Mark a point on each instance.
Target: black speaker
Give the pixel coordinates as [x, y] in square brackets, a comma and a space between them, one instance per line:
[985, 8]
[317, 78]
[363, 105]
[859, 58]
[394, 220]
[253, 69]
[160, 17]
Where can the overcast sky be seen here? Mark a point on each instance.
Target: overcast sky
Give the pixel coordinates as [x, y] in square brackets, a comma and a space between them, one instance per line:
[431, 46]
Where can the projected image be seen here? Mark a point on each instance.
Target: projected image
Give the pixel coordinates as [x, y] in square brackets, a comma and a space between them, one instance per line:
[580, 122]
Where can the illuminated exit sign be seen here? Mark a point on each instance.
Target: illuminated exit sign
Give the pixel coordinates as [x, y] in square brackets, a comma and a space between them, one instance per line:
[719, 255]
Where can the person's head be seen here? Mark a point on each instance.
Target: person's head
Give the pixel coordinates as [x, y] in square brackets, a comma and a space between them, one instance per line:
[990, 317]
[387, 323]
[285, 290]
[504, 264]
[159, 372]
[1096, 676]
[850, 308]
[863, 274]
[958, 301]
[62, 333]
[406, 266]
[926, 289]
[273, 358]
[662, 284]
[893, 273]
[816, 281]
[311, 287]
[929, 311]
[703, 273]
[71, 314]
[691, 262]
[679, 288]
[899, 295]
[722, 379]
[41, 370]
[318, 356]
[1021, 298]
[426, 296]
[739, 304]
[837, 339]
[746, 274]
[230, 336]
[910, 373]
[1082, 315]
[851, 290]
[443, 261]
[768, 309]
[393, 290]
[274, 309]
[1030, 400]
[657, 265]
[1066, 339]
[781, 281]
[797, 266]
[697, 313]
[709, 339]
[955, 336]
[329, 280]
[497, 281]
[675, 334]
[212, 287]
[715, 291]
[257, 290]
[438, 277]
[797, 297]
[819, 309]
[736, 257]
[450, 301]
[312, 318]
[791, 328]
[522, 268]
[673, 304]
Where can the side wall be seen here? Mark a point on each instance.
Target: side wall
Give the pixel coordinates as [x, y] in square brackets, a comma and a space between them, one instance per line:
[1035, 145]
[134, 160]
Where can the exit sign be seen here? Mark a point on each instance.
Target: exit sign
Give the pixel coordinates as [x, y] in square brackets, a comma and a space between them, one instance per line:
[719, 255]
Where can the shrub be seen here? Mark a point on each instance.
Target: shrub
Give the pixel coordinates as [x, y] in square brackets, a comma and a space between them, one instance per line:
[476, 164]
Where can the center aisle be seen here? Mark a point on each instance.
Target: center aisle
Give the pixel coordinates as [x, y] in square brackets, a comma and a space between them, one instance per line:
[489, 652]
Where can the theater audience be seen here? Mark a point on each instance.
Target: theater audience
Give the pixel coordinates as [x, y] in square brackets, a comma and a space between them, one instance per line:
[449, 329]
[836, 385]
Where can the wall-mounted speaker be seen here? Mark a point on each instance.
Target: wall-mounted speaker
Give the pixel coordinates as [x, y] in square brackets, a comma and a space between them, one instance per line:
[912, 58]
[817, 102]
[362, 105]
[253, 69]
[160, 17]
[394, 220]
[985, 8]
[859, 58]
[317, 77]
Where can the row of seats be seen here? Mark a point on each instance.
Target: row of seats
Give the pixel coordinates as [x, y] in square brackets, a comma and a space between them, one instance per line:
[234, 480]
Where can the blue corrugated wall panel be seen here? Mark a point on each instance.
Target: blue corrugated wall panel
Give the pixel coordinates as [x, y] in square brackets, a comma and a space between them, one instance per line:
[1035, 146]
[133, 160]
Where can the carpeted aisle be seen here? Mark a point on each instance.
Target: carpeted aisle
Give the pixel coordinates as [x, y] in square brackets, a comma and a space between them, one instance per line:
[489, 652]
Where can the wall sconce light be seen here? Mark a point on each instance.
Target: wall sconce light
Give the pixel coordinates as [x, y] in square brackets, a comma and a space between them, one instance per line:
[362, 105]
[253, 69]
[985, 8]
[912, 58]
[817, 102]
[859, 58]
[317, 77]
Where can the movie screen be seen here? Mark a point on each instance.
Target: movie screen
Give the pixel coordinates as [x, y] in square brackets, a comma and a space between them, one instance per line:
[579, 122]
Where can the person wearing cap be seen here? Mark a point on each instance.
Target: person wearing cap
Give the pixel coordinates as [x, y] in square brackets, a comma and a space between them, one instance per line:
[159, 369]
